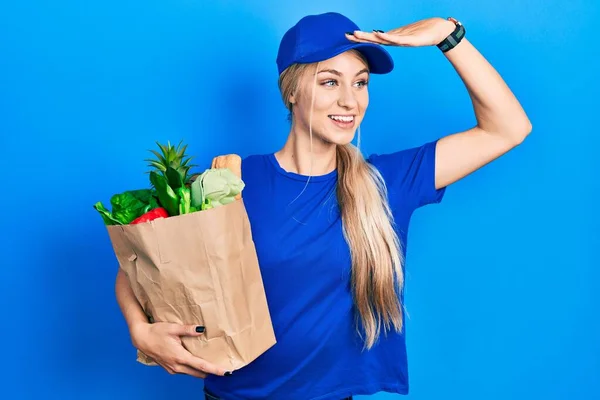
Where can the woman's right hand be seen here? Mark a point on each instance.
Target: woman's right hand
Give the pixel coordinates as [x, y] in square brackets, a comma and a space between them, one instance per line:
[161, 341]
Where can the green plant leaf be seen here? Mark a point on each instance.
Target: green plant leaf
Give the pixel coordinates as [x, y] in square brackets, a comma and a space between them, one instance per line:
[156, 165]
[181, 152]
[106, 215]
[163, 147]
[207, 204]
[129, 205]
[166, 196]
[159, 157]
[174, 178]
[184, 200]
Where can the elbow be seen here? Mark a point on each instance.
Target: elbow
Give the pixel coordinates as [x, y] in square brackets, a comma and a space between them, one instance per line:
[513, 136]
[523, 132]
[520, 132]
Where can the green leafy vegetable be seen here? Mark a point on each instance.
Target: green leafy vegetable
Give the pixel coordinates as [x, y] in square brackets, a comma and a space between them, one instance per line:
[172, 189]
[185, 200]
[127, 206]
[174, 178]
[166, 196]
[219, 186]
[106, 215]
[197, 193]
[206, 205]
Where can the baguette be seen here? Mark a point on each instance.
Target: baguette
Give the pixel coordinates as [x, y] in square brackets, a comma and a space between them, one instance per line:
[231, 161]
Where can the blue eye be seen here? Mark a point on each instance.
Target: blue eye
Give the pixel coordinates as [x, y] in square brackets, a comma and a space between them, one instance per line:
[333, 82]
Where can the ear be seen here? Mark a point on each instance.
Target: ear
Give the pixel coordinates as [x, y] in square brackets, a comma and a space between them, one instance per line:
[292, 99]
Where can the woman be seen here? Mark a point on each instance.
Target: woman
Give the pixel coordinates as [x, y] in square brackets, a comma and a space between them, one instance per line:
[330, 227]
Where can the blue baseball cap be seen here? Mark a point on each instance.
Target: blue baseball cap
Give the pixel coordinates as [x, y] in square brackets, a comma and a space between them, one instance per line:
[323, 36]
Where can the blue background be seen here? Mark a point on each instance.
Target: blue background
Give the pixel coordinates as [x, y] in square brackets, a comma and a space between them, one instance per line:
[502, 276]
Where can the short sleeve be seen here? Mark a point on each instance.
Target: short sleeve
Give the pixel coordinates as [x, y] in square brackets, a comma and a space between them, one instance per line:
[410, 175]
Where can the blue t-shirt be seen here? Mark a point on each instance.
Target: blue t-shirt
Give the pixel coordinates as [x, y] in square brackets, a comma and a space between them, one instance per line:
[305, 266]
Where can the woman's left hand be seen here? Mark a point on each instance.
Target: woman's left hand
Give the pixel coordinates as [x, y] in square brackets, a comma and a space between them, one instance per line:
[427, 32]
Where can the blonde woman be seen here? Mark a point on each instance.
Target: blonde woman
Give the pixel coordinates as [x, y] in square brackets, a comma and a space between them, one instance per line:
[330, 226]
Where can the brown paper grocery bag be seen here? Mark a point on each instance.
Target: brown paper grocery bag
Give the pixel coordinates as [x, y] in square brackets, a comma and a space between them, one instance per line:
[202, 269]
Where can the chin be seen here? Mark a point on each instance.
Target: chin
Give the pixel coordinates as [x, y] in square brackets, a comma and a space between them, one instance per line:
[344, 142]
[339, 138]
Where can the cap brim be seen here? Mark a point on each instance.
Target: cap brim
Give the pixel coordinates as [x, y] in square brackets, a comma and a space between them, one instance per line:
[379, 59]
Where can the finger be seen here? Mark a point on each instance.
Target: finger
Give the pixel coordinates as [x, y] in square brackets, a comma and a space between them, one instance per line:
[399, 40]
[184, 369]
[167, 368]
[188, 330]
[204, 366]
[365, 37]
[356, 40]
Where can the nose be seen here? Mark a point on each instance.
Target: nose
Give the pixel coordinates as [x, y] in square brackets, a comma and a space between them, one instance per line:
[347, 98]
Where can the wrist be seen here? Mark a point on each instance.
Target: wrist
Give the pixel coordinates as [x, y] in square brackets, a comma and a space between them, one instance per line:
[455, 36]
[449, 27]
[137, 332]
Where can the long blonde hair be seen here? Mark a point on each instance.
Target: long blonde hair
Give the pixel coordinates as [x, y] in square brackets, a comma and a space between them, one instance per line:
[368, 226]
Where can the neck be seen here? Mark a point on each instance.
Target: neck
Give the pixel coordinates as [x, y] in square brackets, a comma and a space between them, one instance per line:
[295, 156]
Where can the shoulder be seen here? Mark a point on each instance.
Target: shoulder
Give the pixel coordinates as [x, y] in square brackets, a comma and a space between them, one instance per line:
[254, 160]
[409, 173]
[255, 166]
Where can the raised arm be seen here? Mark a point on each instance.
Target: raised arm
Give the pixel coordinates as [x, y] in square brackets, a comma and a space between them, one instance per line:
[501, 121]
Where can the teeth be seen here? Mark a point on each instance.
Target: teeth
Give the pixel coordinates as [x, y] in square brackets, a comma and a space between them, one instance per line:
[342, 118]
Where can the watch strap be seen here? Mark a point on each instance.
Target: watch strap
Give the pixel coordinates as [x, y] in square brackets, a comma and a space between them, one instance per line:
[454, 38]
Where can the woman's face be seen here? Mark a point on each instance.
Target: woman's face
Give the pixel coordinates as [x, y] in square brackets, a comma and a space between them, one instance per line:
[341, 99]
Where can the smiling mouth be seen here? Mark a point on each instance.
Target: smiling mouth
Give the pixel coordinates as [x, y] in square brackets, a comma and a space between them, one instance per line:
[346, 119]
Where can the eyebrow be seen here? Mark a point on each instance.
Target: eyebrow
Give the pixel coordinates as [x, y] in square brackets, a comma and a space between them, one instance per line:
[338, 73]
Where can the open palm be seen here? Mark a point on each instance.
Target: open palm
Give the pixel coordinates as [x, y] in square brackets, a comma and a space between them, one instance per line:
[427, 32]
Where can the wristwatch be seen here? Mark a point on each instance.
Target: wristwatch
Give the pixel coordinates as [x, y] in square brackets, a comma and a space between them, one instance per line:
[454, 38]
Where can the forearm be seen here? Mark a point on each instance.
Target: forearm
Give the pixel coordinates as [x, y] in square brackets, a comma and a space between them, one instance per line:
[130, 307]
[496, 108]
